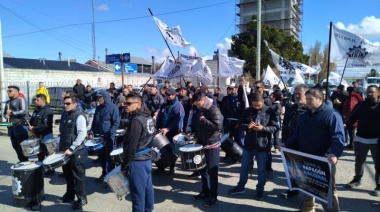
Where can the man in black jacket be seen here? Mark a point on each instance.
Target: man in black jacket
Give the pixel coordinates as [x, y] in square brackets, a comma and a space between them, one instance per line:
[207, 125]
[41, 125]
[79, 89]
[137, 157]
[258, 121]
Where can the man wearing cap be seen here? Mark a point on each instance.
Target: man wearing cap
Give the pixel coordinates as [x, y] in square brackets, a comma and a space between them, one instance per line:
[106, 122]
[153, 101]
[15, 111]
[170, 120]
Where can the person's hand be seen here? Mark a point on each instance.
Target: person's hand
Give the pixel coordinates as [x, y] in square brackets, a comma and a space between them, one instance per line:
[332, 159]
[31, 128]
[91, 136]
[251, 125]
[68, 152]
[258, 127]
[344, 125]
[155, 114]
[164, 131]
[9, 111]
[280, 145]
[201, 118]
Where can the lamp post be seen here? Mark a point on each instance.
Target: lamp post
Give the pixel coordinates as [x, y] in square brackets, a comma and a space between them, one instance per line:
[258, 46]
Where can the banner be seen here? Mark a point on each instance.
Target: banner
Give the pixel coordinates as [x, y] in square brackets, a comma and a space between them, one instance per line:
[187, 63]
[346, 45]
[308, 173]
[272, 79]
[169, 70]
[201, 69]
[173, 35]
[230, 66]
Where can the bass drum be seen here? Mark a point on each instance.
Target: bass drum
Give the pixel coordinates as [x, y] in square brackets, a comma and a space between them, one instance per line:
[27, 184]
[163, 144]
[231, 148]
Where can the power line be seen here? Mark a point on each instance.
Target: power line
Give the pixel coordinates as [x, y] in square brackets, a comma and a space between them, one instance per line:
[115, 20]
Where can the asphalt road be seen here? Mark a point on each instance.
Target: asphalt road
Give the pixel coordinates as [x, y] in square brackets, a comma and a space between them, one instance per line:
[174, 193]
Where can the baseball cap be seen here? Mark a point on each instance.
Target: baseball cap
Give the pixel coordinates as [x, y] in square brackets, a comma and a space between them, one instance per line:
[170, 91]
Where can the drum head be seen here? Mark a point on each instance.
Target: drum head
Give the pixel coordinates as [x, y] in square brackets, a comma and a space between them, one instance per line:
[224, 137]
[179, 138]
[27, 165]
[53, 158]
[93, 142]
[30, 141]
[52, 140]
[191, 148]
[120, 131]
[117, 151]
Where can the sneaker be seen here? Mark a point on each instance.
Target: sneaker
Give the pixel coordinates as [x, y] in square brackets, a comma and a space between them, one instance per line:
[269, 175]
[64, 199]
[260, 195]
[201, 196]
[236, 190]
[50, 172]
[211, 201]
[171, 171]
[80, 203]
[354, 183]
[194, 175]
[289, 194]
[375, 192]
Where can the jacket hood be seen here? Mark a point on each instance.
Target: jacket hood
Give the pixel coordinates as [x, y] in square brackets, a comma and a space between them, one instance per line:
[144, 111]
[105, 94]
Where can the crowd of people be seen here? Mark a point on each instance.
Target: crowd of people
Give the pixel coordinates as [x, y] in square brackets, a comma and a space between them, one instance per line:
[349, 118]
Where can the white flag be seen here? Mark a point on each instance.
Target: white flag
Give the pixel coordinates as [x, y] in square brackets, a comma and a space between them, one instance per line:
[335, 79]
[169, 70]
[305, 69]
[187, 63]
[345, 45]
[207, 75]
[230, 66]
[173, 35]
[285, 67]
[272, 79]
[317, 69]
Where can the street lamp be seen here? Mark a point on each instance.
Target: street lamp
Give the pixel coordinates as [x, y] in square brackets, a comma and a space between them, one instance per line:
[258, 46]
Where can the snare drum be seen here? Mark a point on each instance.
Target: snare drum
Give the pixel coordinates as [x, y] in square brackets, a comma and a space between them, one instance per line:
[95, 144]
[117, 182]
[27, 183]
[181, 140]
[117, 156]
[163, 144]
[52, 144]
[30, 147]
[193, 157]
[231, 148]
[54, 161]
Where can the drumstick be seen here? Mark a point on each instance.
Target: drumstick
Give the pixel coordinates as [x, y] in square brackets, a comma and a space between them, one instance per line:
[49, 157]
[30, 126]
[8, 115]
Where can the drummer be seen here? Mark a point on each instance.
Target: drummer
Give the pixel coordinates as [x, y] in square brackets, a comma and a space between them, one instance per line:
[72, 137]
[15, 112]
[170, 120]
[41, 125]
[207, 129]
[137, 157]
[106, 122]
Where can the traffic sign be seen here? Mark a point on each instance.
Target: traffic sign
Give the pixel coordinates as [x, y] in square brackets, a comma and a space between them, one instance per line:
[130, 68]
[111, 58]
[117, 67]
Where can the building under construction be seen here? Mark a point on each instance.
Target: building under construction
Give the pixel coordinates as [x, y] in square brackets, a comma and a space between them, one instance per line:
[283, 14]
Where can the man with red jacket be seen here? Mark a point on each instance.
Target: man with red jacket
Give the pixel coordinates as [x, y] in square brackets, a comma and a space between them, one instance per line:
[352, 100]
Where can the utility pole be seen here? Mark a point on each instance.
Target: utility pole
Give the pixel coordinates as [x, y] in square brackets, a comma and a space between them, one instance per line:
[2, 76]
[93, 31]
[258, 46]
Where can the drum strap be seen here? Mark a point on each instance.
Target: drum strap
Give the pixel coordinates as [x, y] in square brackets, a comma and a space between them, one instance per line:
[212, 146]
[142, 151]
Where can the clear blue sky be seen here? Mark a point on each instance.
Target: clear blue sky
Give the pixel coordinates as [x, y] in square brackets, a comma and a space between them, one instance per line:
[126, 26]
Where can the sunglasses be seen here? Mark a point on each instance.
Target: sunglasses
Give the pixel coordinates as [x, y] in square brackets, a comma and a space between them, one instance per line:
[130, 103]
[256, 87]
[67, 103]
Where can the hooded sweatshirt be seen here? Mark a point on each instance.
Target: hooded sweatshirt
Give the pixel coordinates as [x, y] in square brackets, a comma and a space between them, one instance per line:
[106, 119]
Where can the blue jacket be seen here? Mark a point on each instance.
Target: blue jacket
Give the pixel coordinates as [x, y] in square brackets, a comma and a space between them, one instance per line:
[171, 116]
[318, 133]
[106, 119]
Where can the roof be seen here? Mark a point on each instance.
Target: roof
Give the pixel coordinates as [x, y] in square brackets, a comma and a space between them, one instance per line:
[22, 63]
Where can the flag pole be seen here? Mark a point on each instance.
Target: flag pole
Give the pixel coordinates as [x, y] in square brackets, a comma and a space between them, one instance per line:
[163, 37]
[328, 64]
[344, 69]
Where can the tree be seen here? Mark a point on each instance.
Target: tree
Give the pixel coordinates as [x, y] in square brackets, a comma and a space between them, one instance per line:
[244, 46]
[373, 73]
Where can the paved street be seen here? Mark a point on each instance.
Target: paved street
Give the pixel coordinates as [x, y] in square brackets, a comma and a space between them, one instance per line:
[173, 193]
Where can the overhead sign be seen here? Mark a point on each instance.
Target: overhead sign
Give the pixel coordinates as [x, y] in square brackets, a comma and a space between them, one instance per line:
[112, 58]
[130, 68]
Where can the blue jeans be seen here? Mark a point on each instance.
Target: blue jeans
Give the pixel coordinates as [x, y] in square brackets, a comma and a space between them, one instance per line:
[140, 185]
[210, 173]
[246, 164]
